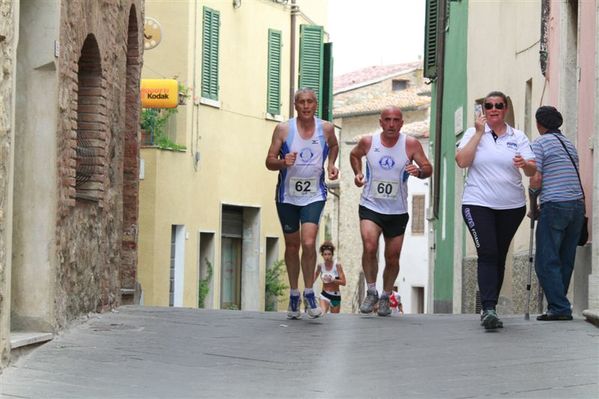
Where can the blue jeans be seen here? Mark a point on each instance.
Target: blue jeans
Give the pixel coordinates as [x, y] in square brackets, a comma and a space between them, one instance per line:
[557, 236]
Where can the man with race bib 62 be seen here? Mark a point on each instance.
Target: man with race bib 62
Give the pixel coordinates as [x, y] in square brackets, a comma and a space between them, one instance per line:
[298, 151]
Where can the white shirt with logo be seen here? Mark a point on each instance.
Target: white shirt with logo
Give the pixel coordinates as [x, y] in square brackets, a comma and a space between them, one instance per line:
[386, 188]
[303, 183]
[493, 181]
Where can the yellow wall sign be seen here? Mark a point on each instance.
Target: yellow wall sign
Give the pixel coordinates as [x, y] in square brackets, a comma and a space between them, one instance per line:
[159, 93]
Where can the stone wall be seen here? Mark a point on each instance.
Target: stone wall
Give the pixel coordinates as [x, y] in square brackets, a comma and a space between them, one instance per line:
[90, 232]
[8, 44]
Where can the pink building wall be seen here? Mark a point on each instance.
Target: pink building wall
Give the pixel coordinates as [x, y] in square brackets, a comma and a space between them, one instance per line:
[586, 89]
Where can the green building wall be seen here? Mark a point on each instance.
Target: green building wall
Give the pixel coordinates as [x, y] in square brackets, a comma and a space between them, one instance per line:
[454, 105]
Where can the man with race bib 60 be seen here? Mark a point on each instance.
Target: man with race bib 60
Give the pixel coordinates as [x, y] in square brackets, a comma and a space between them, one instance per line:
[298, 151]
[383, 206]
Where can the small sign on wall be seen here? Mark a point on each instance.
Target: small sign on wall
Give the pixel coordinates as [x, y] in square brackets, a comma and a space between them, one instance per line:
[159, 93]
[458, 120]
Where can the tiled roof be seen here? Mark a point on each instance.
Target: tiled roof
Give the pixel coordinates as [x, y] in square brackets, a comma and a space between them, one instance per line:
[371, 74]
[412, 98]
[417, 129]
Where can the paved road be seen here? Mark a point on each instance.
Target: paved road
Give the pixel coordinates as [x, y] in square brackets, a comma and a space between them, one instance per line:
[143, 352]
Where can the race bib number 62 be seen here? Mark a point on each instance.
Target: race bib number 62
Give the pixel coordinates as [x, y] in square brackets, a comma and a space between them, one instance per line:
[302, 187]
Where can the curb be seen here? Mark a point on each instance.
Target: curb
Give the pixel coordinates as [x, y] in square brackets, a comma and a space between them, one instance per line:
[592, 316]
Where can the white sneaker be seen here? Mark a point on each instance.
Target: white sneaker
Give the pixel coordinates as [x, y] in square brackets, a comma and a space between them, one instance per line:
[311, 305]
[293, 310]
[372, 298]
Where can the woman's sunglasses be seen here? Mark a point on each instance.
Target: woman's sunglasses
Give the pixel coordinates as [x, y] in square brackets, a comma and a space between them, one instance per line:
[497, 105]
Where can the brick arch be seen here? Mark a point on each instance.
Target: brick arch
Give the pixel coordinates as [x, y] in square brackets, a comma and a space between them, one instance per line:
[131, 162]
[91, 124]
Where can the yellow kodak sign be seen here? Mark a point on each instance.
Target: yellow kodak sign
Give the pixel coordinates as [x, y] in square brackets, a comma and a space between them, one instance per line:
[159, 93]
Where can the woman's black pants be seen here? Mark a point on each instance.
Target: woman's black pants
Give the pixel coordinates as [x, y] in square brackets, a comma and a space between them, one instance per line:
[492, 231]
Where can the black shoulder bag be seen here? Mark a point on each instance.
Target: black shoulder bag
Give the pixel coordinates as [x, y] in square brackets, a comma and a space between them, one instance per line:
[584, 231]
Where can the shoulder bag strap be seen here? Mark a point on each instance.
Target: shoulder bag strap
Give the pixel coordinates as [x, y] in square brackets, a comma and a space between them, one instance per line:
[573, 163]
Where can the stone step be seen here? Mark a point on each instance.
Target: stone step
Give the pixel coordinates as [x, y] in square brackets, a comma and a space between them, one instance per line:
[19, 339]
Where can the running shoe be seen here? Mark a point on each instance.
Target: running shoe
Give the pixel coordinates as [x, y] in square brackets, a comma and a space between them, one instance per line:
[490, 321]
[384, 306]
[311, 305]
[293, 310]
[372, 297]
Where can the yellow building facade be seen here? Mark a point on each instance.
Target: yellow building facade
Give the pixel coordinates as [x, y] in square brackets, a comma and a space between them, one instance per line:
[207, 214]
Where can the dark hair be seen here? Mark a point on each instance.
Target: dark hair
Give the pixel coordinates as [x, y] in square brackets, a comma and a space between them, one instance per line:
[549, 117]
[327, 246]
[497, 94]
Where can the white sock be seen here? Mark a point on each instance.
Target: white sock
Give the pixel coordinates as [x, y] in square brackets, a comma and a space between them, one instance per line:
[386, 294]
[371, 286]
[308, 291]
[294, 292]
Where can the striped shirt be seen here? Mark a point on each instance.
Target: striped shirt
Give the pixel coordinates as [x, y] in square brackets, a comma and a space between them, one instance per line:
[560, 181]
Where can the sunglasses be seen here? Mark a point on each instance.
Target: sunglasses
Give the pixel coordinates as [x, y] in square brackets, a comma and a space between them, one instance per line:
[497, 105]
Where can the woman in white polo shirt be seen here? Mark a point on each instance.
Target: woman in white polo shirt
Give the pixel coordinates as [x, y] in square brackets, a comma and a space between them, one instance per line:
[494, 202]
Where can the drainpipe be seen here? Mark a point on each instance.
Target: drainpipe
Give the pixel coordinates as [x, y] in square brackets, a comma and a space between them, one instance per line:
[294, 12]
[543, 55]
[439, 107]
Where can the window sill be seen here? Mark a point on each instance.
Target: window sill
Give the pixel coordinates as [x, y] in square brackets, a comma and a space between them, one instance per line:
[271, 117]
[210, 102]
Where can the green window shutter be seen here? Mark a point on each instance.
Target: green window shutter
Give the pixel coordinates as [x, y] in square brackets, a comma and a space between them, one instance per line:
[210, 39]
[310, 62]
[273, 90]
[327, 83]
[430, 38]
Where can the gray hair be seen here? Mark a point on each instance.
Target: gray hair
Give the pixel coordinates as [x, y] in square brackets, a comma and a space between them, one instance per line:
[305, 90]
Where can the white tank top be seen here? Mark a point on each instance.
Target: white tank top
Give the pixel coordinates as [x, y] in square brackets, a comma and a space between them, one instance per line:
[333, 272]
[386, 188]
[303, 182]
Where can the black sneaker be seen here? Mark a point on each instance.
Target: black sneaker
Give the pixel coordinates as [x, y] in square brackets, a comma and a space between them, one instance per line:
[554, 317]
[490, 321]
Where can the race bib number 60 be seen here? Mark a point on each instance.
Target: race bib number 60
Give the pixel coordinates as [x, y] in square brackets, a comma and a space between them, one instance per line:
[302, 187]
[384, 189]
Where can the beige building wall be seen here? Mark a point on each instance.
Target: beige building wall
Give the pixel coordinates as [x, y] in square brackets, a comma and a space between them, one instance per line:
[513, 69]
[226, 143]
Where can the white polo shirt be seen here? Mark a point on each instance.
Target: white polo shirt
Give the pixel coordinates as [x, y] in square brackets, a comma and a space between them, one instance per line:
[493, 181]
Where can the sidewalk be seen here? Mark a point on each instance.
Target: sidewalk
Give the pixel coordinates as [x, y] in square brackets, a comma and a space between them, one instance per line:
[143, 352]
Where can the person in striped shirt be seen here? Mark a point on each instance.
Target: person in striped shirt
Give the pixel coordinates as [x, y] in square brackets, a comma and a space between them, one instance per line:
[561, 212]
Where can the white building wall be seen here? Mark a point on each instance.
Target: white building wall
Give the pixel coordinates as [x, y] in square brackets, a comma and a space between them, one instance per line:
[413, 262]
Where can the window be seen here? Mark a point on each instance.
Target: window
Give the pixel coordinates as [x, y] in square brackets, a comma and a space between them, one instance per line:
[90, 160]
[399, 84]
[327, 83]
[430, 39]
[210, 41]
[418, 214]
[273, 90]
[528, 108]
